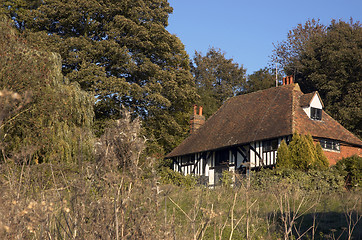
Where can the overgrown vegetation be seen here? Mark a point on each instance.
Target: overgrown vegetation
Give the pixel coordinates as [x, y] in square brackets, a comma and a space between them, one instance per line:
[64, 201]
[58, 181]
[53, 118]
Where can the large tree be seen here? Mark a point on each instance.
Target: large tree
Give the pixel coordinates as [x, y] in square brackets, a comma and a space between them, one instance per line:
[53, 121]
[259, 80]
[328, 59]
[122, 53]
[217, 78]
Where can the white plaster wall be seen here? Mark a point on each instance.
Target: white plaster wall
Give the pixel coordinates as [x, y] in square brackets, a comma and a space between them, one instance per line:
[211, 177]
[316, 103]
[307, 111]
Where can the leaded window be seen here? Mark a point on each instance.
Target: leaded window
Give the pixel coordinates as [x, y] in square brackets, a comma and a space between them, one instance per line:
[315, 113]
[330, 144]
[270, 145]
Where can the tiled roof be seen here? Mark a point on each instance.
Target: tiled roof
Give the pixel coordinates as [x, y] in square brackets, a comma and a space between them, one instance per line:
[326, 128]
[306, 99]
[261, 115]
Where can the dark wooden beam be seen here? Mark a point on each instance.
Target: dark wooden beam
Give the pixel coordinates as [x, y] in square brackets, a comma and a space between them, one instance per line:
[177, 163]
[202, 155]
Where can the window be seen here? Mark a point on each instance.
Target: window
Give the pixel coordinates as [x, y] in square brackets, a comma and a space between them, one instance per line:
[330, 144]
[270, 145]
[188, 159]
[221, 157]
[315, 113]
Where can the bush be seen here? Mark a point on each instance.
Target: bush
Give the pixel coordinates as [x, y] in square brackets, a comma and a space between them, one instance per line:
[168, 176]
[351, 169]
[301, 154]
[312, 180]
[283, 155]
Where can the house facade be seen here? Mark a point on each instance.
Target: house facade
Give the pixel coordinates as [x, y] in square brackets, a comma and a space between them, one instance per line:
[245, 133]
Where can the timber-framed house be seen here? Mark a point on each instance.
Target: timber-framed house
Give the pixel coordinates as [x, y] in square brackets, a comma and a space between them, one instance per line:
[245, 133]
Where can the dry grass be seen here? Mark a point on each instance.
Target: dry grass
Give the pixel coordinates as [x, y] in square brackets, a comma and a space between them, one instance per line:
[48, 201]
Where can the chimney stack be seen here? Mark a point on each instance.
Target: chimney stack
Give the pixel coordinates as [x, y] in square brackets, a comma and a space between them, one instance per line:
[196, 120]
[288, 80]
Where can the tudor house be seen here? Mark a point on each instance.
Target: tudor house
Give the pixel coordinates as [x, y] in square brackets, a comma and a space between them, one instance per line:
[246, 131]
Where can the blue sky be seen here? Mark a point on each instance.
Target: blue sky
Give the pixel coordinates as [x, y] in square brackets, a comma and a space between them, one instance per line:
[246, 30]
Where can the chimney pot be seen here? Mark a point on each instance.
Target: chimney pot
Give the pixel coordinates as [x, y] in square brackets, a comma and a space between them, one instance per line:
[196, 121]
[291, 79]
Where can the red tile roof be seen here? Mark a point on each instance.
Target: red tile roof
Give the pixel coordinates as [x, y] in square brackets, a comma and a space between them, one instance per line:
[306, 99]
[261, 115]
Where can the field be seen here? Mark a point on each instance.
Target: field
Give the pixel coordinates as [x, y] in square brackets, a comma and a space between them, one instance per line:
[96, 201]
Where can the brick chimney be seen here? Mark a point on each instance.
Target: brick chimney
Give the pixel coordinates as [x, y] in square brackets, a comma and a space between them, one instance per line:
[196, 120]
[288, 80]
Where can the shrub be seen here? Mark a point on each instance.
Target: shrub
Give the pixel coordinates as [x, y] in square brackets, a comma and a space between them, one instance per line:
[168, 176]
[301, 154]
[312, 180]
[121, 144]
[351, 169]
[283, 155]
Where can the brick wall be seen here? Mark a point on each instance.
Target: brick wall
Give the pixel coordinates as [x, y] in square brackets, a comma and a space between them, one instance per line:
[345, 151]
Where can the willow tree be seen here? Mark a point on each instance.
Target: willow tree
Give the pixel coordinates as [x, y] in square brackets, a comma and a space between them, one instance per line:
[54, 122]
[121, 52]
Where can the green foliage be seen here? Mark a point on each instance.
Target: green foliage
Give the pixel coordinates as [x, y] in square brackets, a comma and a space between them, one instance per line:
[55, 124]
[259, 80]
[217, 79]
[324, 58]
[312, 180]
[351, 169]
[168, 176]
[120, 52]
[283, 156]
[321, 161]
[227, 178]
[301, 154]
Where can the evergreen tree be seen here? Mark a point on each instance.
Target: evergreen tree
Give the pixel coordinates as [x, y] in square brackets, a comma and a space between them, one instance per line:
[55, 124]
[283, 156]
[121, 52]
[217, 79]
[302, 154]
[294, 149]
[322, 162]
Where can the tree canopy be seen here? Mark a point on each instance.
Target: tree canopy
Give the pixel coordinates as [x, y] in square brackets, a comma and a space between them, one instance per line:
[328, 59]
[121, 52]
[259, 80]
[217, 78]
